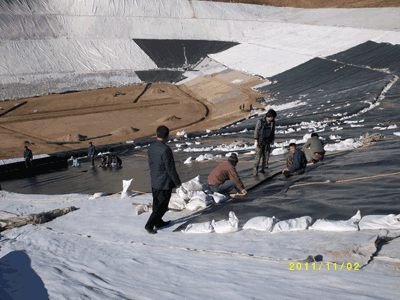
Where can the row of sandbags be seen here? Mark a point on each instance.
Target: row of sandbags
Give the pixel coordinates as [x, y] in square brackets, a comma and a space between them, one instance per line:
[274, 225]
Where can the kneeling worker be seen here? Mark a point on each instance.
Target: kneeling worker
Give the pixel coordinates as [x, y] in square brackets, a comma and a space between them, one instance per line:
[297, 163]
[313, 149]
[224, 178]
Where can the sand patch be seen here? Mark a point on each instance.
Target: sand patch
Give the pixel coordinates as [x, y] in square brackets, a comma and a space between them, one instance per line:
[169, 118]
[72, 138]
[124, 130]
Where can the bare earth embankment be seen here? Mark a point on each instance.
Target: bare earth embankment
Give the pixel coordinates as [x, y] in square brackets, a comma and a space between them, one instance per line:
[72, 116]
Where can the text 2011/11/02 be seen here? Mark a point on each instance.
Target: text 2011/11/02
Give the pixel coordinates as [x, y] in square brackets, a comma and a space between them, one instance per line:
[319, 266]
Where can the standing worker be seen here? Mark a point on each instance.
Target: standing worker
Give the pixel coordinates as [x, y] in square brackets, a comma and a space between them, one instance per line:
[91, 152]
[163, 178]
[28, 156]
[313, 149]
[264, 136]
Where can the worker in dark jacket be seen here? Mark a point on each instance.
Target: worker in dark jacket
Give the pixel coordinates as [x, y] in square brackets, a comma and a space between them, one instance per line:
[116, 161]
[163, 178]
[224, 178]
[28, 156]
[264, 135]
[297, 163]
[91, 152]
[313, 149]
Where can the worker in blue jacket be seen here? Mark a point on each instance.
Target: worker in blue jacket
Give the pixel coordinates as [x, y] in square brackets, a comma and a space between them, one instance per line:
[296, 163]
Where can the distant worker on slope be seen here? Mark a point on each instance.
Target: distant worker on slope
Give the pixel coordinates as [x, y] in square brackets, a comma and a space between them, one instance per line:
[314, 149]
[91, 152]
[163, 178]
[28, 156]
[115, 161]
[224, 178]
[296, 163]
[264, 136]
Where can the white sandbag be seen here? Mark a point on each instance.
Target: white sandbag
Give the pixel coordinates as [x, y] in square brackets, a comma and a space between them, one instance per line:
[199, 195]
[97, 195]
[296, 224]
[196, 203]
[219, 197]
[176, 202]
[327, 225]
[194, 184]
[188, 160]
[260, 223]
[141, 208]
[199, 228]
[226, 226]
[125, 186]
[380, 222]
[183, 194]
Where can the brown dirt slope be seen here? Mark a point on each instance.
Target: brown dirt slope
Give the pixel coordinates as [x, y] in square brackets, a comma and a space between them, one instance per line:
[319, 3]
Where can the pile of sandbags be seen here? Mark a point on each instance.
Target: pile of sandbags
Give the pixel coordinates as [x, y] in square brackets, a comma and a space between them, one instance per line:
[194, 194]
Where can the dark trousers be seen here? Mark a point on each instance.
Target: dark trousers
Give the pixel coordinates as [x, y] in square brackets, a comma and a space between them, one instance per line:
[92, 159]
[263, 152]
[28, 164]
[160, 207]
[313, 156]
[224, 188]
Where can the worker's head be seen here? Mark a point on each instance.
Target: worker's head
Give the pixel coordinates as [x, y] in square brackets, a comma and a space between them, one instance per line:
[90, 143]
[292, 147]
[314, 134]
[270, 115]
[162, 132]
[26, 147]
[233, 159]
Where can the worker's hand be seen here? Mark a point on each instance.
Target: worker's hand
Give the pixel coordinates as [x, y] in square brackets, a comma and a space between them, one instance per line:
[256, 144]
[285, 170]
[244, 192]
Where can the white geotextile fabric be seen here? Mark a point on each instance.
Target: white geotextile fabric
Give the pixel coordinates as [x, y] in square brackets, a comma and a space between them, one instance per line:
[380, 222]
[327, 225]
[296, 224]
[43, 40]
[260, 223]
[226, 226]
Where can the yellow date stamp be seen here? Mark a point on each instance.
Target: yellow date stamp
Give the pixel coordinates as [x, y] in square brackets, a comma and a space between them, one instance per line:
[323, 266]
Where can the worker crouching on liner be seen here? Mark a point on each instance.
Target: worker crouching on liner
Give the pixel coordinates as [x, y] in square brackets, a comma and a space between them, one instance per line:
[224, 178]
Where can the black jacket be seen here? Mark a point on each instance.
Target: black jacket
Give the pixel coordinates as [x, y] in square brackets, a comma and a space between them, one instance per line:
[264, 128]
[28, 154]
[162, 167]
